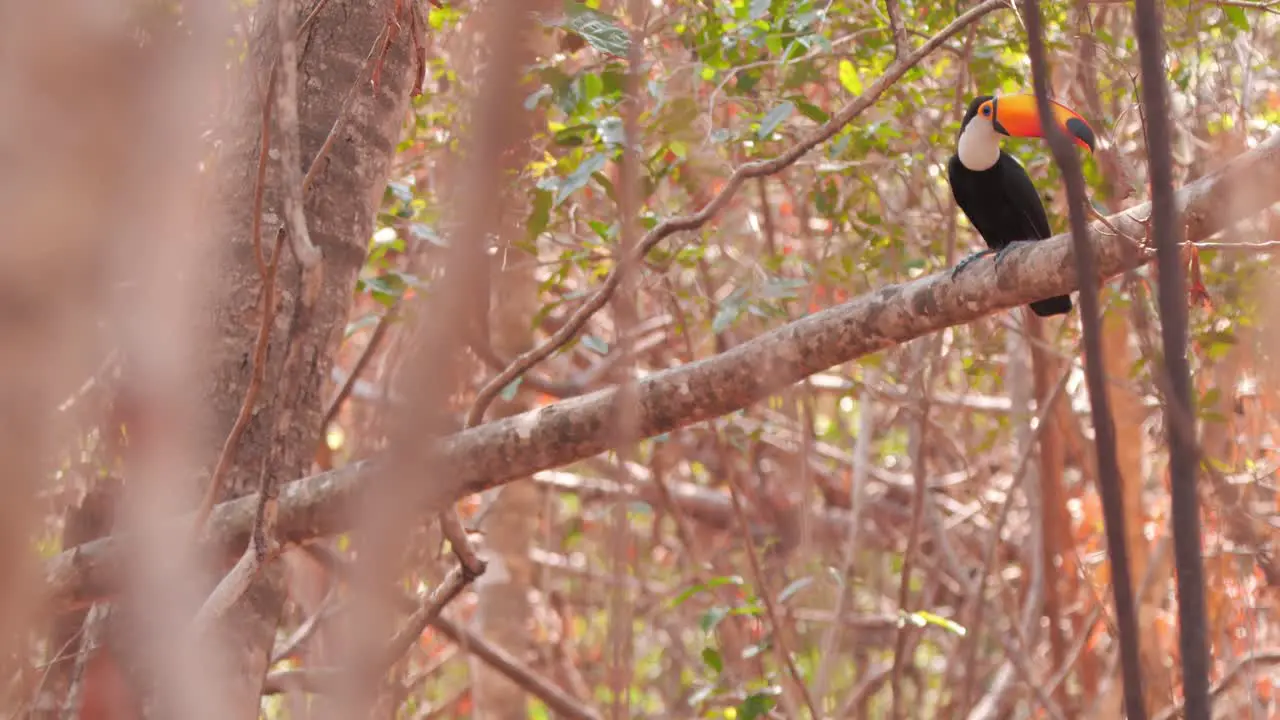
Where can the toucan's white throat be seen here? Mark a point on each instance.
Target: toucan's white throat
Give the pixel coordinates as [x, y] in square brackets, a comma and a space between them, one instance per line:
[979, 147]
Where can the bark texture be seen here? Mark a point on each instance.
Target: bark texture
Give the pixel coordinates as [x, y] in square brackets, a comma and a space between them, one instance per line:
[340, 210]
[567, 431]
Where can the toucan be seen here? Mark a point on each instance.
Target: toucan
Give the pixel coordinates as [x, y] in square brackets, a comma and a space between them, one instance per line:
[994, 190]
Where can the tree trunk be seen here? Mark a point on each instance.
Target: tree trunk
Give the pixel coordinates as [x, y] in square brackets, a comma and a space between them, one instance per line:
[340, 212]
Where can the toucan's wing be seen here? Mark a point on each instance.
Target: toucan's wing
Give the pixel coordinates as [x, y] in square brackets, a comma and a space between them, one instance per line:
[1022, 196]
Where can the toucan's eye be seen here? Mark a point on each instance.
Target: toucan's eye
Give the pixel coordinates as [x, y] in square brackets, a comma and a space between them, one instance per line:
[986, 111]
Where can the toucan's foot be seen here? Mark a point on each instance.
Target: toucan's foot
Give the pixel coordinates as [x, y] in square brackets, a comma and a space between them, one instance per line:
[1004, 251]
[965, 262]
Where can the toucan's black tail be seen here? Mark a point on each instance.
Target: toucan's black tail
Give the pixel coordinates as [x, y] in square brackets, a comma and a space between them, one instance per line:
[1060, 305]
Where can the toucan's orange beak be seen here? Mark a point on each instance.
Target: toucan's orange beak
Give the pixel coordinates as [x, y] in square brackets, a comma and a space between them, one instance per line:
[1016, 115]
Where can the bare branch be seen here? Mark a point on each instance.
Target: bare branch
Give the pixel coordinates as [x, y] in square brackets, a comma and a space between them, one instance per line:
[494, 656]
[896, 27]
[94, 624]
[375, 340]
[1229, 678]
[304, 250]
[554, 435]
[1183, 456]
[1109, 489]
[766, 594]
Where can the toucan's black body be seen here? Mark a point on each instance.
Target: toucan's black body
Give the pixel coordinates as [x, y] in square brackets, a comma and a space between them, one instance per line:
[993, 189]
[1004, 207]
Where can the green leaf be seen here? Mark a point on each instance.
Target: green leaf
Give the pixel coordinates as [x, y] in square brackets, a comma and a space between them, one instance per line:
[603, 31]
[849, 78]
[422, 231]
[368, 321]
[796, 586]
[539, 214]
[813, 112]
[758, 704]
[511, 389]
[578, 179]
[924, 617]
[783, 288]
[711, 657]
[592, 86]
[678, 115]
[725, 316]
[595, 344]
[611, 130]
[574, 135]
[702, 587]
[531, 101]
[388, 287]
[711, 618]
[774, 118]
[1235, 15]
[701, 694]
[1210, 397]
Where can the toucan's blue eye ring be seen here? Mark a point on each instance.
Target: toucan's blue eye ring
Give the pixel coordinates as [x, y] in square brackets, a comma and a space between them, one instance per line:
[986, 110]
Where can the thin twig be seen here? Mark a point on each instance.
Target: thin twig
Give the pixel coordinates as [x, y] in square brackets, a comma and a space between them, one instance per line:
[1259, 657]
[428, 610]
[766, 595]
[267, 272]
[1270, 7]
[234, 584]
[306, 629]
[755, 169]
[1260, 245]
[918, 499]
[95, 622]
[304, 250]
[375, 340]
[978, 588]
[620, 632]
[857, 503]
[260, 179]
[311, 16]
[994, 703]
[343, 115]
[497, 658]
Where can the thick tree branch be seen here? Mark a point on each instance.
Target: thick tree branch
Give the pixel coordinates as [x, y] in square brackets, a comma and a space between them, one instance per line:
[493, 454]
[1184, 462]
[1089, 308]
